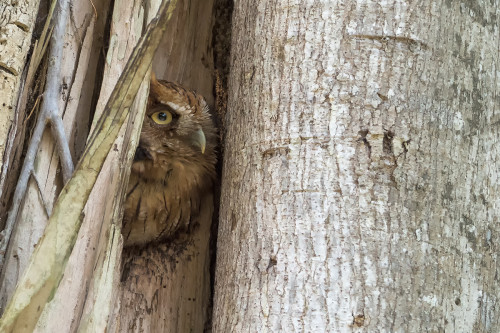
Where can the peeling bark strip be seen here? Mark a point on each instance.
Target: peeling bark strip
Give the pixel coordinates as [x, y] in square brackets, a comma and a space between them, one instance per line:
[383, 212]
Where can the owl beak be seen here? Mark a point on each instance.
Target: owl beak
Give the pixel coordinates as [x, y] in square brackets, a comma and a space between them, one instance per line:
[142, 154]
[199, 140]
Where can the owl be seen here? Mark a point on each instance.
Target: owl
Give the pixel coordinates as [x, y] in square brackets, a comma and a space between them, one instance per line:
[173, 167]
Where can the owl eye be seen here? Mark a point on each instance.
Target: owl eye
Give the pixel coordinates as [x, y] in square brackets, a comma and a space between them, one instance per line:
[162, 117]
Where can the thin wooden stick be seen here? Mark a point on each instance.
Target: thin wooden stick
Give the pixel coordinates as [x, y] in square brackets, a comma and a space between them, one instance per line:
[33, 109]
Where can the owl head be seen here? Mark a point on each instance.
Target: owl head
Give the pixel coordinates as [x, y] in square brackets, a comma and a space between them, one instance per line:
[178, 135]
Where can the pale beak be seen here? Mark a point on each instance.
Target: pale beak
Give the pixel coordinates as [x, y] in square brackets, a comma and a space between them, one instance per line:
[199, 140]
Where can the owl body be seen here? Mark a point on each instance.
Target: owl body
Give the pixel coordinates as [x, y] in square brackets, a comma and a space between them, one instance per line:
[173, 168]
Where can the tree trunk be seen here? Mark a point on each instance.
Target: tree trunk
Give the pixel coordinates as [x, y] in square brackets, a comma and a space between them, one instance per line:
[360, 169]
[17, 21]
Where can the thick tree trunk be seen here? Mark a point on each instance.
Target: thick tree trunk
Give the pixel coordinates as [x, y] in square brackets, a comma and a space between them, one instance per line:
[360, 170]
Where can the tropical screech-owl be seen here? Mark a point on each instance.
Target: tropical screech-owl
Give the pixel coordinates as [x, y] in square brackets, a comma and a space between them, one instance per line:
[173, 167]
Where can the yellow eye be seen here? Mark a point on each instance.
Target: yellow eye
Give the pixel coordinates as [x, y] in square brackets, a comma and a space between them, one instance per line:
[162, 117]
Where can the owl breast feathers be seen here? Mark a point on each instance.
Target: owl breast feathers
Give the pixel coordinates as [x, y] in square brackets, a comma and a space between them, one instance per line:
[173, 168]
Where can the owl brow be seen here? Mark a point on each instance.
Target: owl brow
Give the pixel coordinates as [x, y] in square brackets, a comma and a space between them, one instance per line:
[173, 86]
[160, 106]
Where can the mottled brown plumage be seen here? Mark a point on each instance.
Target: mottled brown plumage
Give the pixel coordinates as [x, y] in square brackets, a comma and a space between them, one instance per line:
[174, 165]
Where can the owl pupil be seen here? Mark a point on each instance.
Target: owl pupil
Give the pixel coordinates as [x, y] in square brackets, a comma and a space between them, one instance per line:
[162, 116]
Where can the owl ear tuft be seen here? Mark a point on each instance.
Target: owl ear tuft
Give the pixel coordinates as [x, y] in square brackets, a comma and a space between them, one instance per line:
[154, 81]
[155, 87]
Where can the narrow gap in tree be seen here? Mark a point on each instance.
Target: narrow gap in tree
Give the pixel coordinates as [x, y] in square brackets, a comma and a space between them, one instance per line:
[101, 64]
[221, 41]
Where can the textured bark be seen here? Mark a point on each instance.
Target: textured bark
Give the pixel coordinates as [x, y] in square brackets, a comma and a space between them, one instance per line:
[360, 170]
[17, 21]
[167, 288]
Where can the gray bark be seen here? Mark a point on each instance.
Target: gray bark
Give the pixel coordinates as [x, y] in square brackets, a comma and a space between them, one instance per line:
[17, 21]
[360, 173]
